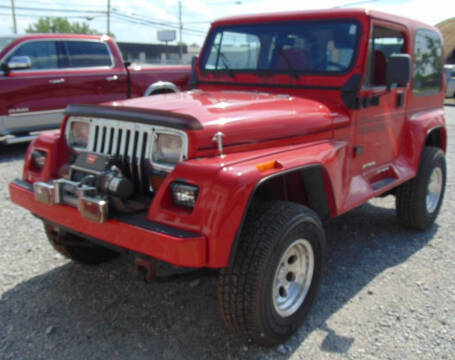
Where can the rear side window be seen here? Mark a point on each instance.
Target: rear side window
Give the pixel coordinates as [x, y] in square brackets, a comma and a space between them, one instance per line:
[43, 54]
[88, 54]
[383, 43]
[427, 76]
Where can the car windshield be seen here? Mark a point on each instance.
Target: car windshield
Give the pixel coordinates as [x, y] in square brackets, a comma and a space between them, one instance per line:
[293, 47]
[5, 41]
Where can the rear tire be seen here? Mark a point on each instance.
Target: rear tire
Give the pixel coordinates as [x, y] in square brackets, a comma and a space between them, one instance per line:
[267, 290]
[419, 200]
[78, 249]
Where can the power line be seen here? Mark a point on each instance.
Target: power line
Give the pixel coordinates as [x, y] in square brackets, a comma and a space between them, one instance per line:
[162, 27]
[54, 10]
[145, 21]
[23, 11]
[64, 3]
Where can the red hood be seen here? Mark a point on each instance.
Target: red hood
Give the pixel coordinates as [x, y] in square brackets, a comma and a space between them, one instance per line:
[244, 117]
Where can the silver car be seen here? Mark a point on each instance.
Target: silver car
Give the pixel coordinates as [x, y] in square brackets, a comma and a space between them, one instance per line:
[450, 80]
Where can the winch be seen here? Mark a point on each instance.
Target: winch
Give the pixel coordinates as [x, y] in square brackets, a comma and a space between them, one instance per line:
[102, 172]
[95, 182]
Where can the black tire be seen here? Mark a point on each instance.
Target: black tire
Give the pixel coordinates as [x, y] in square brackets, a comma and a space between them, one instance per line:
[78, 249]
[411, 197]
[245, 286]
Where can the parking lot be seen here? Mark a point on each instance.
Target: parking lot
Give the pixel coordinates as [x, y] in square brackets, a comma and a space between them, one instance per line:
[388, 293]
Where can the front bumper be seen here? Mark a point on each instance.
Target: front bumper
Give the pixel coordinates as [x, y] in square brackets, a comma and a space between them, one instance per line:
[177, 247]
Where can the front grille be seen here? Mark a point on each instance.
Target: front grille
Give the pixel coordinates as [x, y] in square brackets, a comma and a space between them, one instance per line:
[130, 143]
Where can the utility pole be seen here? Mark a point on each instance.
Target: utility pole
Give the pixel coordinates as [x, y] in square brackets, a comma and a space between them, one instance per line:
[108, 17]
[180, 30]
[13, 11]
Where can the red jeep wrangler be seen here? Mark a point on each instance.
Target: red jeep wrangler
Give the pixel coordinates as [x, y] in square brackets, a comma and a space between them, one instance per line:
[293, 117]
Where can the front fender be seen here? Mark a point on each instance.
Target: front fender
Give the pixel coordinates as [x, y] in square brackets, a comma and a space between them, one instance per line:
[54, 145]
[228, 184]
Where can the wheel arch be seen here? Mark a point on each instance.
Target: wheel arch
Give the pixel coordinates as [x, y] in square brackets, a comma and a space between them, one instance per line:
[437, 137]
[161, 87]
[316, 193]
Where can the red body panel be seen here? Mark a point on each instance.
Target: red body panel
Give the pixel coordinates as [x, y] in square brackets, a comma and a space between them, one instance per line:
[247, 118]
[142, 76]
[297, 124]
[29, 91]
[189, 252]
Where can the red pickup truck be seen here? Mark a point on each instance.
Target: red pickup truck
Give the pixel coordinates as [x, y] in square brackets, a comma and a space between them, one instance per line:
[293, 118]
[41, 74]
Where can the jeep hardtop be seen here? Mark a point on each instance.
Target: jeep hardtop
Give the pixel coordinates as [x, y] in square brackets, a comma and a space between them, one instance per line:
[292, 118]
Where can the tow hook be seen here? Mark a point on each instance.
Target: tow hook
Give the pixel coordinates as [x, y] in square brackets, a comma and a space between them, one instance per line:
[146, 269]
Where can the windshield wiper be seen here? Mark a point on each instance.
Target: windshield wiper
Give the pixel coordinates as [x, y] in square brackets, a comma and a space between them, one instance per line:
[225, 61]
[291, 68]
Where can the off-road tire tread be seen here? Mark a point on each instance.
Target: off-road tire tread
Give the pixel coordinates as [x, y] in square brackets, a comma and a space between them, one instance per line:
[239, 281]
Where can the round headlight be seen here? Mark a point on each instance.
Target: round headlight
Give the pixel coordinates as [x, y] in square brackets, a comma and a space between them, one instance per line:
[167, 148]
[78, 134]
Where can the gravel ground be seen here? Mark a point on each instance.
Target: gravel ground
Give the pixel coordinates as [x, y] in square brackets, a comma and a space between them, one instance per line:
[388, 293]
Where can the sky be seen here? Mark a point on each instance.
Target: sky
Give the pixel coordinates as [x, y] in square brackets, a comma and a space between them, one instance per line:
[139, 20]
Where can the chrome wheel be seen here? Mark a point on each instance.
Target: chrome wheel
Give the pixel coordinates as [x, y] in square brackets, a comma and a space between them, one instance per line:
[293, 277]
[434, 190]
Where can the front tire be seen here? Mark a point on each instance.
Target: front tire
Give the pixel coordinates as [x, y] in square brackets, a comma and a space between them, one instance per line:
[419, 200]
[78, 249]
[267, 290]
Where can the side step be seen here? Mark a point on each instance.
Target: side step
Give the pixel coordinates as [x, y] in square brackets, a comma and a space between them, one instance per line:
[382, 183]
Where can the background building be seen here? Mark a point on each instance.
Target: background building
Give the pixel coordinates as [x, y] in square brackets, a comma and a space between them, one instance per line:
[447, 28]
[151, 53]
[157, 53]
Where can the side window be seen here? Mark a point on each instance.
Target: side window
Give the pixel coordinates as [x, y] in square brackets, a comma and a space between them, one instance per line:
[88, 54]
[427, 76]
[384, 42]
[43, 54]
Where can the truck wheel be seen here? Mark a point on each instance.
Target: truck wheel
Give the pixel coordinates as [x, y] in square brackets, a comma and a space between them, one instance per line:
[418, 201]
[267, 289]
[78, 249]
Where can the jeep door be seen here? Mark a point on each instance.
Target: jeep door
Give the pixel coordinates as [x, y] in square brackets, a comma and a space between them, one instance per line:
[33, 98]
[379, 120]
[93, 75]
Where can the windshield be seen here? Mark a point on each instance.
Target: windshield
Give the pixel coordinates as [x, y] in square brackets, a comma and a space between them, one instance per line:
[306, 46]
[5, 41]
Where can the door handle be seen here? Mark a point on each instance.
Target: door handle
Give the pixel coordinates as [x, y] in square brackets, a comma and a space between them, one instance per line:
[112, 78]
[57, 81]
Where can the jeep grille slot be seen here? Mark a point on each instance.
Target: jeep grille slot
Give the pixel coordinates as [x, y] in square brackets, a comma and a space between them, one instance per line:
[130, 143]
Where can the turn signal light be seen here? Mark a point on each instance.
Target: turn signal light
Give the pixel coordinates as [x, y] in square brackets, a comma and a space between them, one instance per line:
[268, 165]
[38, 159]
[184, 195]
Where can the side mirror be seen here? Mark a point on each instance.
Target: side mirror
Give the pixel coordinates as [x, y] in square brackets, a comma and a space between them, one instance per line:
[398, 70]
[17, 63]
